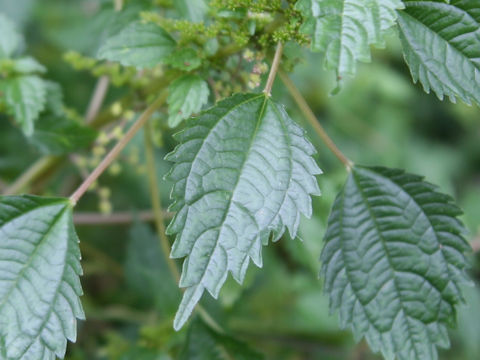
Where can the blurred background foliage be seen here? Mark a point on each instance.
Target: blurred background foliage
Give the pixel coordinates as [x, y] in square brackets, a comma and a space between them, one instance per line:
[379, 118]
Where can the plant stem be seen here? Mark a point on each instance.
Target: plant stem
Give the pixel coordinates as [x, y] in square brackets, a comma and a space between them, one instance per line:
[118, 218]
[156, 202]
[273, 69]
[310, 116]
[118, 5]
[35, 170]
[111, 156]
[97, 98]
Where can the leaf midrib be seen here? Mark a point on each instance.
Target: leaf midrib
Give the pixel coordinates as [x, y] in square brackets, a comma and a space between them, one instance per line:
[382, 241]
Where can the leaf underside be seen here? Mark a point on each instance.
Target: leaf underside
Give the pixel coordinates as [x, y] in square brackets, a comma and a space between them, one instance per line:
[441, 43]
[343, 30]
[140, 45]
[39, 278]
[394, 261]
[243, 170]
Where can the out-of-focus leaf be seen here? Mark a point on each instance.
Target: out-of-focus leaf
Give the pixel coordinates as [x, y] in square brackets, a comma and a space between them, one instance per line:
[138, 44]
[28, 65]
[39, 277]
[147, 272]
[184, 59]
[60, 135]
[203, 343]
[24, 98]
[186, 95]
[193, 10]
[441, 42]
[10, 39]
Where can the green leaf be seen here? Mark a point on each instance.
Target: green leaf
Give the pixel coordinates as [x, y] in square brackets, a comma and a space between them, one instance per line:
[203, 343]
[10, 38]
[394, 262]
[24, 98]
[147, 272]
[441, 43]
[138, 44]
[184, 59]
[193, 10]
[344, 29]
[243, 170]
[59, 135]
[186, 95]
[54, 105]
[28, 65]
[39, 277]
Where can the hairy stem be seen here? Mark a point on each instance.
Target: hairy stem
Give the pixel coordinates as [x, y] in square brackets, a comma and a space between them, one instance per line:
[274, 69]
[112, 155]
[312, 119]
[156, 202]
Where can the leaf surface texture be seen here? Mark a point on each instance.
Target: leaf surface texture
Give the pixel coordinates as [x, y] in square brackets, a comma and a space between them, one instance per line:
[394, 261]
[242, 170]
[441, 43]
[343, 30]
[39, 278]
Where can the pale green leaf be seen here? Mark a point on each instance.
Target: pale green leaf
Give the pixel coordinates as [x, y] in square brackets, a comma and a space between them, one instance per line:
[441, 43]
[203, 343]
[10, 39]
[193, 10]
[140, 45]
[242, 171]
[343, 30]
[186, 95]
[24, 98]
[39, 278]
[394, 262]
[60, 135]
[28, 65]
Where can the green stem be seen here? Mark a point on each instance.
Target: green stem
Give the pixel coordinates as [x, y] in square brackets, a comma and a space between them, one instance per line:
[33, 172]
[156, 202]
[112, 155]
[312, 119]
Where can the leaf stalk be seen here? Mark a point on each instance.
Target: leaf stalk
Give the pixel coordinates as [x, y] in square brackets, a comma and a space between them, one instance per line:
[312, 119]
[273, 69]
[115, 151]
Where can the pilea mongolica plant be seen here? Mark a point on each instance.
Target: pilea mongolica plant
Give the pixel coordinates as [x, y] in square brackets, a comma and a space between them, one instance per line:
[243, 173]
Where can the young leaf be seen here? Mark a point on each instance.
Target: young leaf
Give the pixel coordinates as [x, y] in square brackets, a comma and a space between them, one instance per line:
[59, 135]
[39, 277]
[186, 95]
[184, 59]
[243, 170]
[140, 45]
[203, 343]
[441, 43]
[344, 29]
[24, 98]
[10, 39]
[394, 261]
